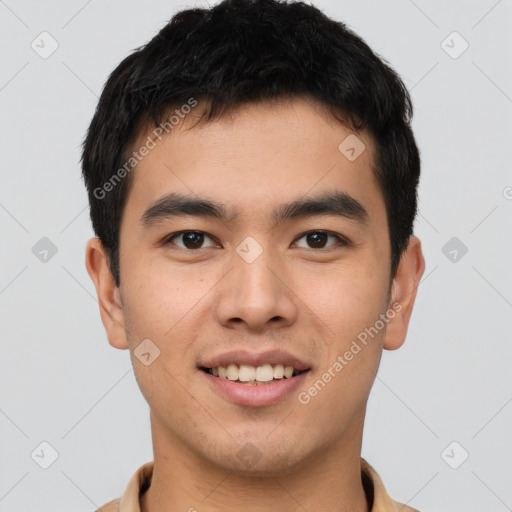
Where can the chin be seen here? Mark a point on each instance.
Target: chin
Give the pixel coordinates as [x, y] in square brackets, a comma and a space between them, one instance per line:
[259, 454]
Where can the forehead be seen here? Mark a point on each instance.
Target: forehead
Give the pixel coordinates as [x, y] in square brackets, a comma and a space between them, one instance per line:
[255, 158]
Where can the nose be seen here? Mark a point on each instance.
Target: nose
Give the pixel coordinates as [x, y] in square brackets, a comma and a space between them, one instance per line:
[256, 295]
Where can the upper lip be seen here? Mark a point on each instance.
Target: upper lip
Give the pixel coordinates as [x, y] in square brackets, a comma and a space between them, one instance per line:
[272, 357]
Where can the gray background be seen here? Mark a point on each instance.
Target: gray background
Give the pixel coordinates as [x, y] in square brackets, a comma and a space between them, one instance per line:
[62, 383]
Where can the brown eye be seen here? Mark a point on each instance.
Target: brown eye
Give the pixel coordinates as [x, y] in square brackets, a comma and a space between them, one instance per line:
[191, 240]
[318, 239]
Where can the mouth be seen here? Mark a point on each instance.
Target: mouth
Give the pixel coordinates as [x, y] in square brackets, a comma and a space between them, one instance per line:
[254, 379]
[254, 375]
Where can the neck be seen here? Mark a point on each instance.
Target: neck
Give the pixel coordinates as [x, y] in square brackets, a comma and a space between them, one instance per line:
[183, 479]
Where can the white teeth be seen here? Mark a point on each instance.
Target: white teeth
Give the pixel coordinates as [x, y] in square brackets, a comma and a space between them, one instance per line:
[278, 371]
[252, 374]
[265, 373]
[246, 373]
[232, 372]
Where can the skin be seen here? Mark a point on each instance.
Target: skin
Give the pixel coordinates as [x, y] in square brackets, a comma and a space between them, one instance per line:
[310, 301]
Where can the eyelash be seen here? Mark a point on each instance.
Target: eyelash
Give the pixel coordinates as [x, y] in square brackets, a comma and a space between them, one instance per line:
[341, 241]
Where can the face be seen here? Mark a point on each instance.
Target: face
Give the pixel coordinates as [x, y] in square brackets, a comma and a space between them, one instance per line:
[269, 287]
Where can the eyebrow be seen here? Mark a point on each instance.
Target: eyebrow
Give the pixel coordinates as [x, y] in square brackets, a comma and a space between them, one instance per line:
[336, 203]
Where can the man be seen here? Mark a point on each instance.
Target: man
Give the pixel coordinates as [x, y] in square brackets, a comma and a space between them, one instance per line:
[252, 178]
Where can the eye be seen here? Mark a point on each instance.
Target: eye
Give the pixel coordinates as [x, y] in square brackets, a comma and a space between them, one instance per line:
[192, 240]
[318, 239]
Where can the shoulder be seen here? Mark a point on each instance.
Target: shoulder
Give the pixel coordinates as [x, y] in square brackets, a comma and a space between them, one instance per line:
[404, 508]
[111, 506]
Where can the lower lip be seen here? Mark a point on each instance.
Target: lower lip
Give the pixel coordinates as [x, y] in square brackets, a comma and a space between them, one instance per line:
[255, 395]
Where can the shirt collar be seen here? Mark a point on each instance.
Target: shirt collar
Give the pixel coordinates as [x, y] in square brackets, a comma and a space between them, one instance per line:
[141, 480]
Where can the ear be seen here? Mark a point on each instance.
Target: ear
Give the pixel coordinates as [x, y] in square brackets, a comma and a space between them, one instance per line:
[403, 293]
[109, 297]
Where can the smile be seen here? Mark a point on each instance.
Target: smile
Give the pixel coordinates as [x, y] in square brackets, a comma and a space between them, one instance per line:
[254, 375]
[254, 393]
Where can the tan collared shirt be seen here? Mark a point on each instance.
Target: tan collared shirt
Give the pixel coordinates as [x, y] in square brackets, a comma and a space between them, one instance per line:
[374, 488]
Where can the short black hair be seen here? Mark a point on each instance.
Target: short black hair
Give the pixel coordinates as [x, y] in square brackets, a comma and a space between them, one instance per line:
[242, 51]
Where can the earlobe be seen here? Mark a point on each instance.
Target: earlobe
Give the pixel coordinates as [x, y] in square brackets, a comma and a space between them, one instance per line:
[109, 298]
[403, 293]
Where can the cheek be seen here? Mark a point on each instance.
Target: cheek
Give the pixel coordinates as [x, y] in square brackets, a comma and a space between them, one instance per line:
[347, 299]
[159, 339]
[166, 306]
[351, 305]
[158, 297]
